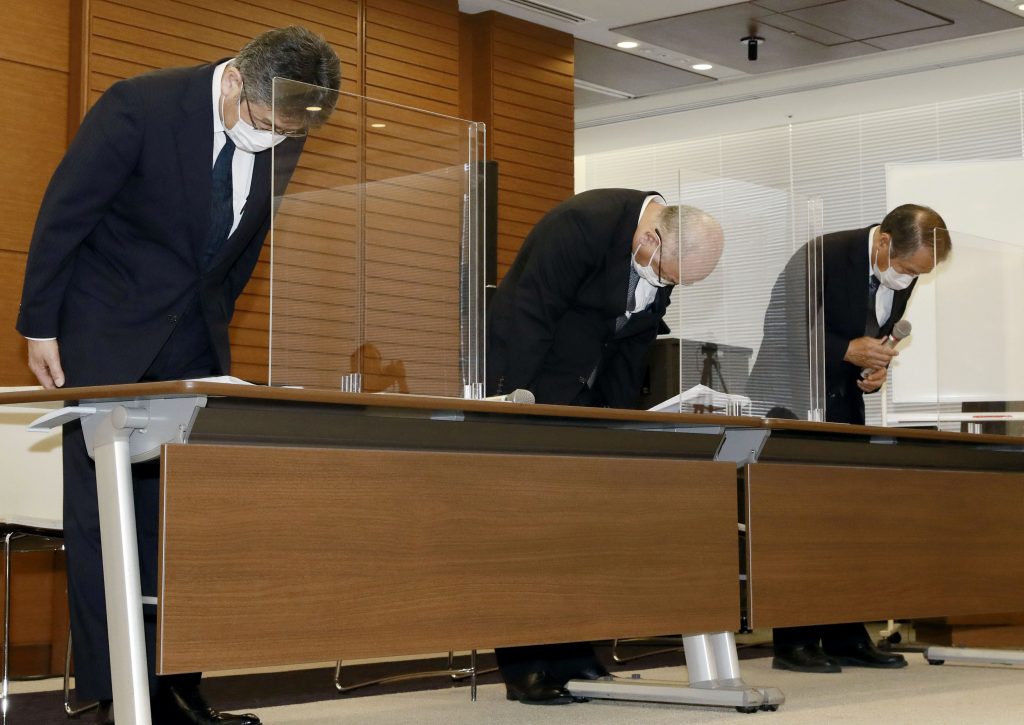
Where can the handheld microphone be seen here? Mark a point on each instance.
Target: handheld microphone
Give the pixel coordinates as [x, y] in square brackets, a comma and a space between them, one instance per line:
[519, 395]
[900, 331]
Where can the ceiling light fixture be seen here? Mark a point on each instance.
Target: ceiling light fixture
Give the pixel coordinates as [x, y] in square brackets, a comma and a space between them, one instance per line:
[702, 66]
[627, 44]
[378, 125]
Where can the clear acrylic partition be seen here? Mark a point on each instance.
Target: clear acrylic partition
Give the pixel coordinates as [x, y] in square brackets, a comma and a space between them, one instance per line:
[750, 334]
[376, 249]
[961, 363]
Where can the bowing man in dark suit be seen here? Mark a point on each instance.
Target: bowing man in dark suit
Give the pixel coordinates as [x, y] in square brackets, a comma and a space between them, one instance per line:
[147, 233]
[868, 277]
[572, 322]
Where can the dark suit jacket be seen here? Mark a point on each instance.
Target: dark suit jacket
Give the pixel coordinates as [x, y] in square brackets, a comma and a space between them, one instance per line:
[845, 287]
[780, 374]
[552, 319]
[116, 254]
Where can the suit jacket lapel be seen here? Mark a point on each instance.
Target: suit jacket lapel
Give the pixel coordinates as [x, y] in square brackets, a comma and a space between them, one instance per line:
[858, 270]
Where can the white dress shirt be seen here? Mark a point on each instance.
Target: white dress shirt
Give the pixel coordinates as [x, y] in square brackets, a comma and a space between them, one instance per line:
[241, 161]
[884, 295]
[645, 291]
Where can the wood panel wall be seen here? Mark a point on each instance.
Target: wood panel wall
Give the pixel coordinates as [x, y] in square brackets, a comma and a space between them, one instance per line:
[370, 234]
[39, 612]
[34, 64]
[518, 79]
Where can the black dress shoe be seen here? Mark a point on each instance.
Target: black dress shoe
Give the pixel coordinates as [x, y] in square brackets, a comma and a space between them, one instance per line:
[536, 688]
[591, 671]
[804, 658]
[866, 654]
[186, 706]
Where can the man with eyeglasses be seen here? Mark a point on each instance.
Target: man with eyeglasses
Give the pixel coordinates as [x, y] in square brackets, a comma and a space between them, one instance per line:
[572, 322]
[148, 232]
[868, 276]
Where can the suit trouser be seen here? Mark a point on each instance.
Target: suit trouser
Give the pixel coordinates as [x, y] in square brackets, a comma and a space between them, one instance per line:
[186, 354]
[833, 637]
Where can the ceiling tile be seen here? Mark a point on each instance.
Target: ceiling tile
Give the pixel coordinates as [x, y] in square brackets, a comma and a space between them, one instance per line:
[784, 6]
[628, 72]
[866, 19]
[804, 30]
[714, 35]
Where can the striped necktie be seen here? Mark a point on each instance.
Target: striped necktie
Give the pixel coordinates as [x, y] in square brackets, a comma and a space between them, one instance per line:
[871, 328]
[222, 213]
[634, 279]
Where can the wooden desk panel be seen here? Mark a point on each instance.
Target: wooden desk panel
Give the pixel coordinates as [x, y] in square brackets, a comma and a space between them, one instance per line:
[847, 544]
[274, 556]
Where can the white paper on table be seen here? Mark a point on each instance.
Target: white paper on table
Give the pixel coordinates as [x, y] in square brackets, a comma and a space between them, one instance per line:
[221, 379]
[702, 399]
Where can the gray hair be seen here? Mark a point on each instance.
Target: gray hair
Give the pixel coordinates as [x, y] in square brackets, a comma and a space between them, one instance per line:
[912, 226]
[298, 54]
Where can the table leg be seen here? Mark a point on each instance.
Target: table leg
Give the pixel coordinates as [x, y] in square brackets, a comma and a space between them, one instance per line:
[714, 680]
[122, 582]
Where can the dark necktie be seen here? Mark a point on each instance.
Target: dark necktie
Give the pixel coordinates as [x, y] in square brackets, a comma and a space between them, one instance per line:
[871, 328]
[634, 278]
[222, 213]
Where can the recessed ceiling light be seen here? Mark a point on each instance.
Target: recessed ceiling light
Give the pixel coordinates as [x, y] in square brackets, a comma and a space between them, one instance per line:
[378, 125]
[627, 44]
[1021, 6]
[313, 109]
[702, 66]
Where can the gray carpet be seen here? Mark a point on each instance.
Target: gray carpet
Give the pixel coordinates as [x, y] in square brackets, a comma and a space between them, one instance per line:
[919, 694]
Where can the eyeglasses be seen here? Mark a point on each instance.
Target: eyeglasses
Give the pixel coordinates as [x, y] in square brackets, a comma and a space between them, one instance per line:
[645, 257]
[661, 245]
[261, 125]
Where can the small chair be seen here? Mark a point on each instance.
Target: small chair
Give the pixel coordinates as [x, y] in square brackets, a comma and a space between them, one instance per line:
[31, 518]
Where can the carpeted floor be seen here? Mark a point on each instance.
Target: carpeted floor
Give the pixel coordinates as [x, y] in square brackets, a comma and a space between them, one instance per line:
[249, 692]
[918, 694]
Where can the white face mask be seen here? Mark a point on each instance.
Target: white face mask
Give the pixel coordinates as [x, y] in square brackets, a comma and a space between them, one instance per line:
[247, 137]
[646, 272]
[890, 277]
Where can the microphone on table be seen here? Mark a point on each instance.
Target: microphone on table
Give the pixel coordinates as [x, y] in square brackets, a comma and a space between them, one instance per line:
[519, 395]
[900, 331]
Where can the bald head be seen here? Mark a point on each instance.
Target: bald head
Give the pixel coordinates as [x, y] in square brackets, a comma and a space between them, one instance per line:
[693, 242]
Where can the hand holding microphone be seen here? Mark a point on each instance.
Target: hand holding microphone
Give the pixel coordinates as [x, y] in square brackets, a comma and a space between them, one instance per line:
[900, 331]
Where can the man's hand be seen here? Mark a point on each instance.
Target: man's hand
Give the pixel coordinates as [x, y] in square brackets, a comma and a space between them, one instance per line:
[869, 352]
[873, 381]
[44, 361]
